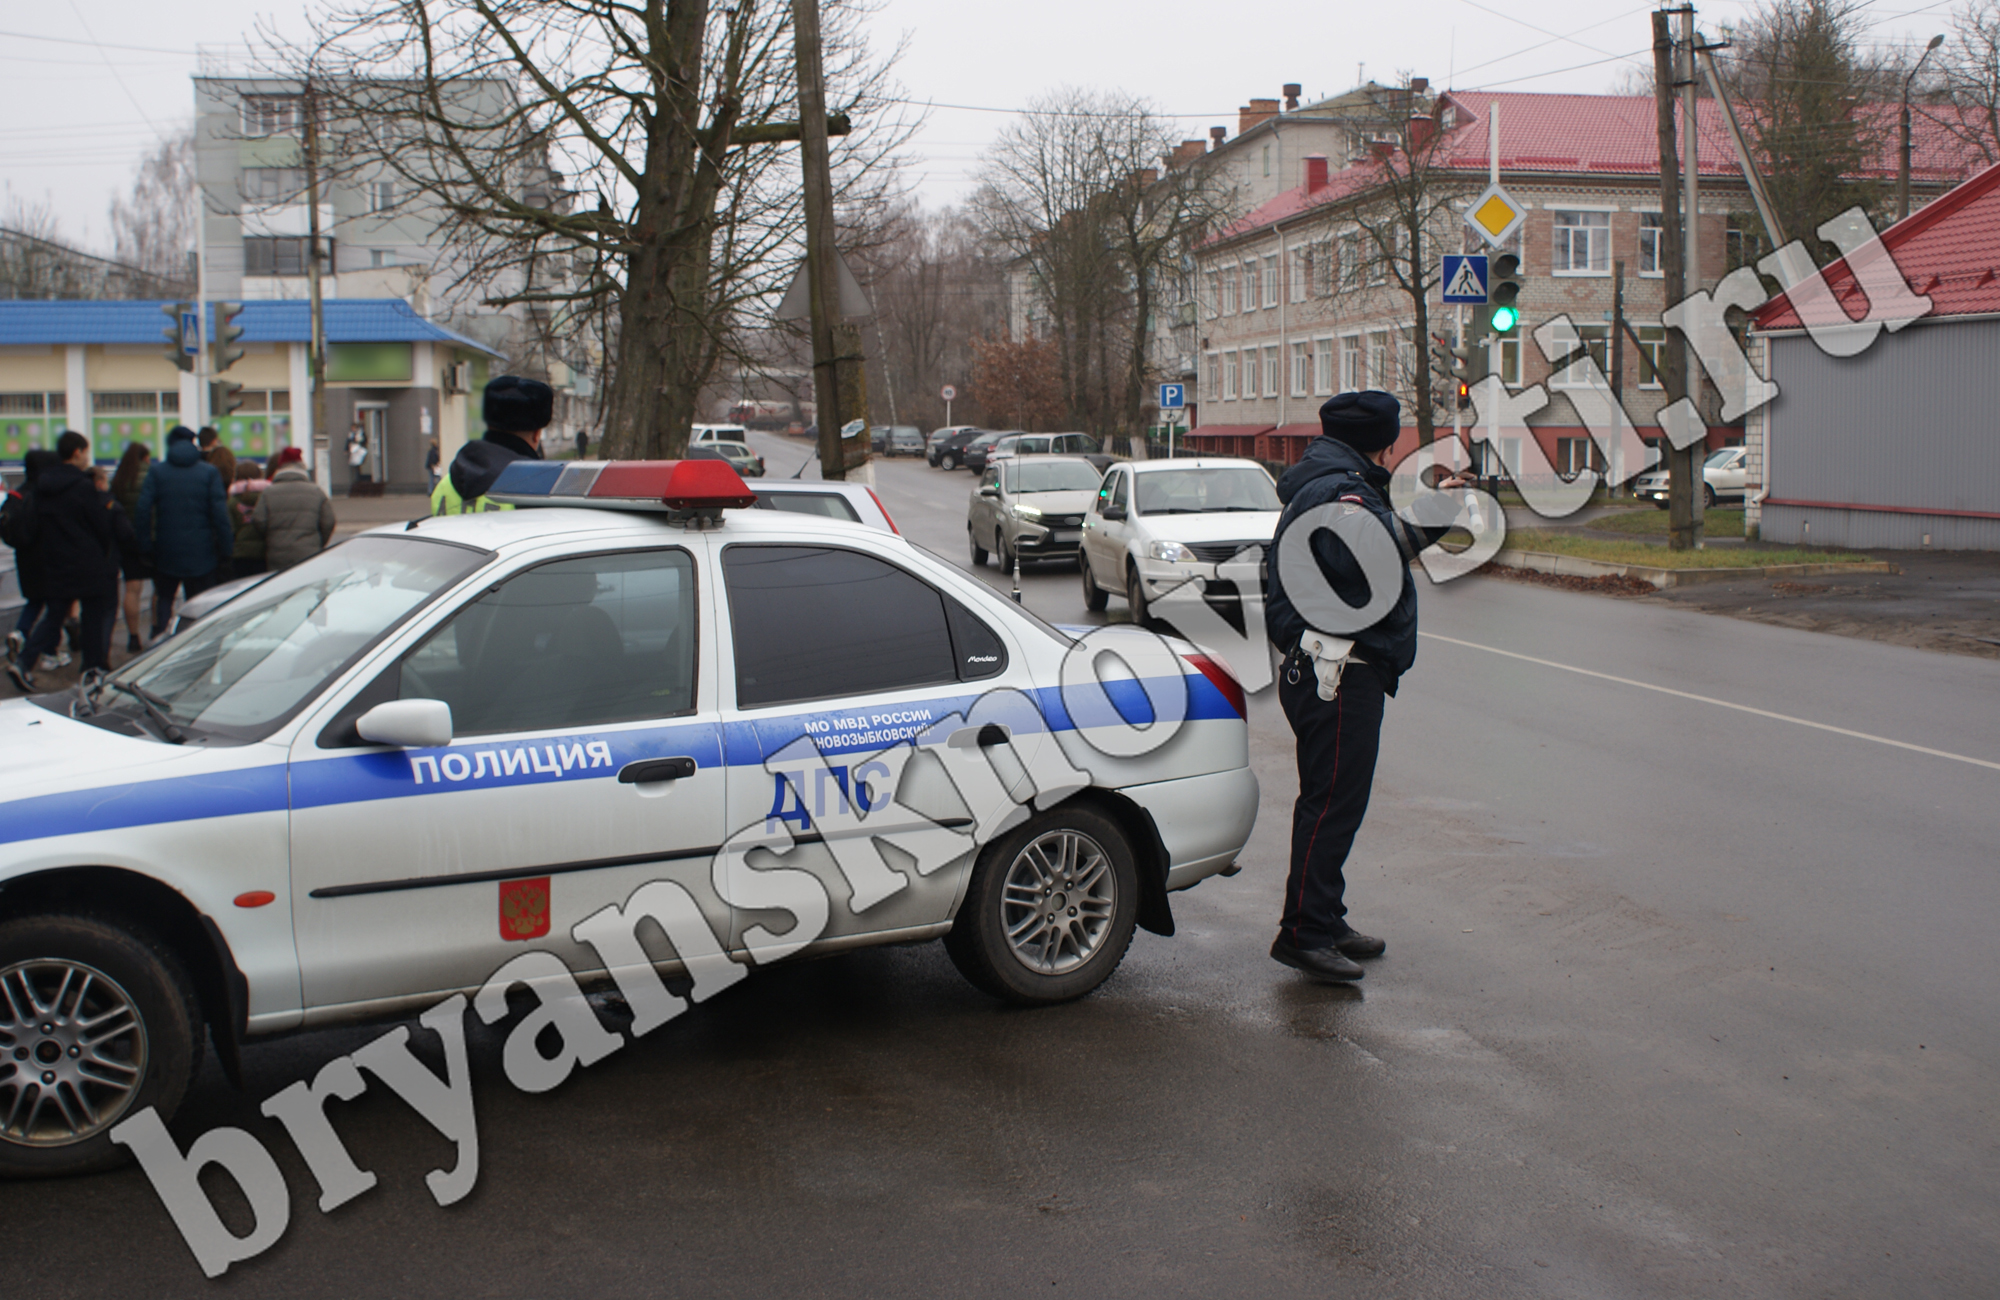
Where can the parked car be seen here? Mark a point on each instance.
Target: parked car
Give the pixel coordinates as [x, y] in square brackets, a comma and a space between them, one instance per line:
[741, 459]
[904, 440]
[1725, 476]
[718, 433]
[1156, 524]
[946, 449]
[1053, 444]
[975, 451]
[1031, 507]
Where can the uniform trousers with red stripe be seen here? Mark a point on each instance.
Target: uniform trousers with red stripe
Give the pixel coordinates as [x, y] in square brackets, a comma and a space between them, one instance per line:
[1337, 741]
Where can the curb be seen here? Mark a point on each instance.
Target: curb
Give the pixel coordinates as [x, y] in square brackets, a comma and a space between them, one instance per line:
[1577, 567]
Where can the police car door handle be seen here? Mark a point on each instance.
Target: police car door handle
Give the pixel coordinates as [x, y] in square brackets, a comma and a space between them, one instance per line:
[993, 733]
[655, 769]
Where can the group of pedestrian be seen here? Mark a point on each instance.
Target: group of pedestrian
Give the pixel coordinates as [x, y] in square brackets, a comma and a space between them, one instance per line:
[183, 523]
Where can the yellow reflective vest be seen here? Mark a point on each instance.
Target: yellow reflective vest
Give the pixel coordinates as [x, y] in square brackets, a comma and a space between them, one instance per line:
[445, 500]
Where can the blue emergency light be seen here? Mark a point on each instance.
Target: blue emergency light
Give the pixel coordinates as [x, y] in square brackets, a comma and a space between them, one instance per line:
[702, 488]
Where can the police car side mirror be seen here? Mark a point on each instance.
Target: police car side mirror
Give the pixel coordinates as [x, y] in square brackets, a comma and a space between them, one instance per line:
[413, 724]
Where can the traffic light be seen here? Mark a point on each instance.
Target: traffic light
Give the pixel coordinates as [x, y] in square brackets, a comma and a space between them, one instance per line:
[225, 397]
[176, 346]
[1503, 290]
[226, 353]
[1466, 364]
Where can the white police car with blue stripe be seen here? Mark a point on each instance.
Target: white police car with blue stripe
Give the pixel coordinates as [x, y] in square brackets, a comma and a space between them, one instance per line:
[378, 776]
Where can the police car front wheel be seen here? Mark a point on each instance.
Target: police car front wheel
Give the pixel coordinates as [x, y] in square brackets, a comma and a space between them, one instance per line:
[1050, 909]
[97, 1022]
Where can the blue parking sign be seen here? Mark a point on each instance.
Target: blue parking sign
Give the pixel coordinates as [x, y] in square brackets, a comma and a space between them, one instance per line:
[1173, 397]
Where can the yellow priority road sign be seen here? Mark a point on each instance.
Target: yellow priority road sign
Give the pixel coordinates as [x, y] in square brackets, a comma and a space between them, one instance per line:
[1495, 215]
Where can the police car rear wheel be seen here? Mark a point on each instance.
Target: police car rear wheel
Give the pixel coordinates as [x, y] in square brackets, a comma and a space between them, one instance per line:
[1049, 911]
[1094, 597]
[97, 1022]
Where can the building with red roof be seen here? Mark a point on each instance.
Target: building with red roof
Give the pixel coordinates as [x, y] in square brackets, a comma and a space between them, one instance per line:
[1883, 436]
[1292, 310]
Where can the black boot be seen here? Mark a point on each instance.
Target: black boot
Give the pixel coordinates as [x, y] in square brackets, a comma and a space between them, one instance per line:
[1323, 964]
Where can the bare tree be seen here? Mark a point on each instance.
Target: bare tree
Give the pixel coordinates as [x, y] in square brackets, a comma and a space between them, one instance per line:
[154, 227]
[1020, 381]
[1969, 67]
[607, 164]
[1074, 193]
[936, 286]
[1409, 204]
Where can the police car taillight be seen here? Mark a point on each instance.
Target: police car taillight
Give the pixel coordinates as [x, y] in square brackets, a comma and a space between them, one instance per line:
[1223, 680]
[697, 490]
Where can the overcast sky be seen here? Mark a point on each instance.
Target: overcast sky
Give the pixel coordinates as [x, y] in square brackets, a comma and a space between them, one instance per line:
[77, 111]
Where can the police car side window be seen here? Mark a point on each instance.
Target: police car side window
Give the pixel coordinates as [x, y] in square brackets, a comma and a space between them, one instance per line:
[579, 642]
[815, 622]
[979, 649]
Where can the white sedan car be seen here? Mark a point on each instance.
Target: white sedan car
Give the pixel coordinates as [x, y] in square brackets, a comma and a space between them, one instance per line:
[1156, 524]
[1725, 475]
[374, 778]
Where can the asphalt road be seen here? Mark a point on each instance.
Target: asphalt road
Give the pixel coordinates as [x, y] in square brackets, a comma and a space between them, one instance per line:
[1681, 999]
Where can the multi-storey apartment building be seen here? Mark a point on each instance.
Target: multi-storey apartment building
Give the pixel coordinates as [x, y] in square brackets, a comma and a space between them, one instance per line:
[1295, 308]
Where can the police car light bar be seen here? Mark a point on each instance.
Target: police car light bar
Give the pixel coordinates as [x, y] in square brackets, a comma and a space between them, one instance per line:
[702, 488]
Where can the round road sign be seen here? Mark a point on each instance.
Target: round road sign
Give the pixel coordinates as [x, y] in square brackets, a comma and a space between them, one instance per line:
[949, 393]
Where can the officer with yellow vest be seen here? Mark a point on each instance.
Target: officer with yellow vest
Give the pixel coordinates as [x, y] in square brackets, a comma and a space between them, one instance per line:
[516, 411]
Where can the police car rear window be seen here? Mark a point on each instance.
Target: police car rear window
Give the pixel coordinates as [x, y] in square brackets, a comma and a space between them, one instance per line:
[814, 622]
[827, 505]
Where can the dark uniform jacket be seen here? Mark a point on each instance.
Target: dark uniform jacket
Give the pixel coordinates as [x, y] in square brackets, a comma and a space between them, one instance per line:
[1331, 471]
[474, 470]
[182, 520]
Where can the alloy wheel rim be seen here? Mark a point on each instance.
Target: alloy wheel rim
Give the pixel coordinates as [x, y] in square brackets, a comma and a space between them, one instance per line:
[73, 1052]
[1057, 902]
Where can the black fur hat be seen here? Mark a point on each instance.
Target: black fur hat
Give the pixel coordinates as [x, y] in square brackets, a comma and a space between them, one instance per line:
[517, 405]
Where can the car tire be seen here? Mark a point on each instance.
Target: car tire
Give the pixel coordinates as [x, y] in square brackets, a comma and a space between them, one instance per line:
[948, 461]
[1050, 909]
[1707, 497]
[1094, 596]
[1004, 552]
[1135, 595]
[124, 973]
[1660, 504]
[978, 551]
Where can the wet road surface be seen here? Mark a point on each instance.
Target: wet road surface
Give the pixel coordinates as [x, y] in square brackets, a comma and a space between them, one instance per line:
[1680, 999]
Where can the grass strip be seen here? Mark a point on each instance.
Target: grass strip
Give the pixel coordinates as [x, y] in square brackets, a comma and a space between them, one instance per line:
[1659, 557]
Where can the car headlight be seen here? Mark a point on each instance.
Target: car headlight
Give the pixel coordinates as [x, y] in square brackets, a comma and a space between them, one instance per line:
[1173, 551]
[1027, 512]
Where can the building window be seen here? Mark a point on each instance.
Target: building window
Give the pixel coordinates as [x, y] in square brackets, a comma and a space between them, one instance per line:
[1271, 280]
[1272, 378]
[381, 196]
[1651, 231]
[1249, 273]
[272, 115]
[1583, 243]
[128, 403]
[1300, 272]
[1350, 260]
[1378, 265]
[1651, 339]
[1229, 375]
[1352, 376]
[1575, 456]
[1215, 373]
[1406, 365]
[1322, 366]
[1302, 373]
[1597, 338]
[272, 255]
[1378, 360]
[1225, 296]
[1267, 160]
[381, 257]
[273, 184]
[1214, 303]
[1510, 362]
[34, 403]
[1322, 265]
[1744, 245]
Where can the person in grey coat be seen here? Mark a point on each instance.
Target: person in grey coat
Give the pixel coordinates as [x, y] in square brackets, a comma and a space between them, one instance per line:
[293, 515]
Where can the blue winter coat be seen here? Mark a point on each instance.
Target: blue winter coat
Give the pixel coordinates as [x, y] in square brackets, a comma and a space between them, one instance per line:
[182, 520]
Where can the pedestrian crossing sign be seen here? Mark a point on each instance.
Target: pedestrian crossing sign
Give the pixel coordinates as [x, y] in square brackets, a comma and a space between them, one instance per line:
[1496, 214]
[1464, 277]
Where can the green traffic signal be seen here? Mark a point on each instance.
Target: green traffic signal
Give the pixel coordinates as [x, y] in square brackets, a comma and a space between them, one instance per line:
[1505, 319]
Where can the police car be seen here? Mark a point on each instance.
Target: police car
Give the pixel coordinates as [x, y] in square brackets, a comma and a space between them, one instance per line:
[374, 778]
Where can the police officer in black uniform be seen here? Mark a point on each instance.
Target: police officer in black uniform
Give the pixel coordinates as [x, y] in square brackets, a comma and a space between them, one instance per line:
[1346, 468]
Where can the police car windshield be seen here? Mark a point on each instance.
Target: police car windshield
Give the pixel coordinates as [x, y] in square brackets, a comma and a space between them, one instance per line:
[1053, 476]
[1204, 491]
[252, 663]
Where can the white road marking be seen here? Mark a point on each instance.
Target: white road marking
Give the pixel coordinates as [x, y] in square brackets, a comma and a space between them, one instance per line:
[1725, 704]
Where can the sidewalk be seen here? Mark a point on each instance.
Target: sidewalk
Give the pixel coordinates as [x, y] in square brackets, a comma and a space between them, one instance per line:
[359, 514]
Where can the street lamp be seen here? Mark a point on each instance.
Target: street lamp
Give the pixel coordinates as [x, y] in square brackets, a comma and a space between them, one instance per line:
[1903, 171]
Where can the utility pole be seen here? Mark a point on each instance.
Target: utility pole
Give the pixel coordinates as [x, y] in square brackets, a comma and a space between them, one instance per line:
[1903, 167]
[839, 385]
[316, 349]
[1673, 251]
[1691, 225]
[1616, 463]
